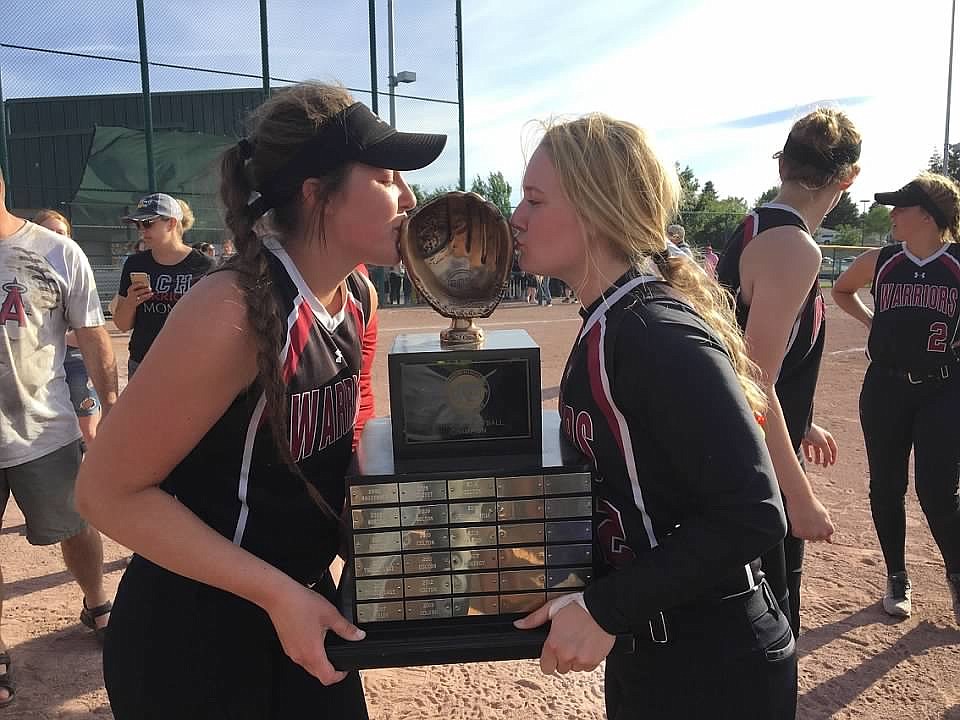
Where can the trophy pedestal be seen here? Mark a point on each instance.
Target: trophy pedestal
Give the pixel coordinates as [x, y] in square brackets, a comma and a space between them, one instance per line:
[442, 562]
[465, 407]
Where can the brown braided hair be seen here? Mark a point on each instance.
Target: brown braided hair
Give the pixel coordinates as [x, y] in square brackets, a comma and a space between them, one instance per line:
[277, 130]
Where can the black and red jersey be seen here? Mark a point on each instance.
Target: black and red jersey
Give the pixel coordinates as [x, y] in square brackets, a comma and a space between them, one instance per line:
[797, 380]
[915, 320]
[686, 496]
[234, 480]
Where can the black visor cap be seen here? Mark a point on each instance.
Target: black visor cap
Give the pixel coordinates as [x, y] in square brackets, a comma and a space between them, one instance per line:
[370, 140]
[912, 195]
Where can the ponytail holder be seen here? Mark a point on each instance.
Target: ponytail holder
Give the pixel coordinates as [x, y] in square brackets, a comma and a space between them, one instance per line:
[246, 149]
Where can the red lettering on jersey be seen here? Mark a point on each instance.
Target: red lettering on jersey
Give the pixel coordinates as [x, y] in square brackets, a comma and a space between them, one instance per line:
[304, 413]
[328, 430]
[578, 427]
[12, 306]
[566, 421]
[952, 302]
[612, 536]
[918, 291]
[353, 404]
[886, 291]
[340, 400]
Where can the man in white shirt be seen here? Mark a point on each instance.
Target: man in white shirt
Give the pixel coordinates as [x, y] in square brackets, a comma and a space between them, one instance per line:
[47, 286]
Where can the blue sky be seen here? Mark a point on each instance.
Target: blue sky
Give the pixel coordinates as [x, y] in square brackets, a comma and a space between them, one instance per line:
[718, 83]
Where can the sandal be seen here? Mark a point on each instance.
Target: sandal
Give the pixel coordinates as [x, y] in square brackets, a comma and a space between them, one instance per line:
[88, 616]
[6, 679]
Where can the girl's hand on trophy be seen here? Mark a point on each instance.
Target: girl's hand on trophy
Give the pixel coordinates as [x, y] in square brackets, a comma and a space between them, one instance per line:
[575, 641]
[302, 619]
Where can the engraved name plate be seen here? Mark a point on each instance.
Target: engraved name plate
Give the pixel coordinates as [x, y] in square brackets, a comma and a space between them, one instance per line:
[522, 534]
[519, 486]
[473, 512]
[416, 515]
[570, 531]
[423, 491]
[473, 536]
[381, 542]
[569, 507]
[379, 494]
[558, 578]
[373, 518]
[417, 563]
[520, 510]
[464, 583]
[522, 557]
[430, 585]
[567, 483]
[569, 555]
[379, 612]
[379, 589]
[374, 565]
[425, 539]
[518, 580]
[478, 605]
[523, 603]
[473, 560]
[429, 609]
[470, 488]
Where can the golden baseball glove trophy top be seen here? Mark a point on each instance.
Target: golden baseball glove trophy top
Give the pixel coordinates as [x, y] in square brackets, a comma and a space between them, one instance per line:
[458, 251]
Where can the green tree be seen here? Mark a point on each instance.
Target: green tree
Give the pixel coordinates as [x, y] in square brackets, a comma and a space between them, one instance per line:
[849, 235]
[496, 189]
[424, 196]
[845, 213]
[689, 185]
[876, 222]
[767, 195]
[935, 164]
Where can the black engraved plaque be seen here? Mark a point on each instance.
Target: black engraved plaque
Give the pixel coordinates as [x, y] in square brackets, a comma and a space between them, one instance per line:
[443, 561]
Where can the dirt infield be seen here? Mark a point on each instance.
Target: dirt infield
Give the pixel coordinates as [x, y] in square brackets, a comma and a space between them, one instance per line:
[855, 661]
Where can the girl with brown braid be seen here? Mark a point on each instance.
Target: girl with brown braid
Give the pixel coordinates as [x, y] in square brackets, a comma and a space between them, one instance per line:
[230, 496]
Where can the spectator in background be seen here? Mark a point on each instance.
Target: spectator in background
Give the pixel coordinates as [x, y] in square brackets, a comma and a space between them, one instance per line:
[544, 298]
[46, 287]
[677, 235]
[710, 260]
[152, 281]
[84, 397]
[532, 282]
[397, 273]
[207, 249]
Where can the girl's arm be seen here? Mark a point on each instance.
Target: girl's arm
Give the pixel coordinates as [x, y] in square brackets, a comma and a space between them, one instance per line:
[200, 362]
[858, 275]
[777, 270]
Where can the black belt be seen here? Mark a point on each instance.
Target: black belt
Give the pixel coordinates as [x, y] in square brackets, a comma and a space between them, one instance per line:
[914, 377]
[692, 620]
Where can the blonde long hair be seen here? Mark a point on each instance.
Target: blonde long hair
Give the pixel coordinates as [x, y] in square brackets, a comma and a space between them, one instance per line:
[945, 194]
[625, 197]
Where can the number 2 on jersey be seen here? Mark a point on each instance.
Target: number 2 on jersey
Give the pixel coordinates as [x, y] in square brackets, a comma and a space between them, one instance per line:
[937, 342]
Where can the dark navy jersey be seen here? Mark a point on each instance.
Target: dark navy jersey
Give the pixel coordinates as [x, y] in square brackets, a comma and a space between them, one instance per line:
[686, 496]
[915, 319]
[797, 379]
[234, 480]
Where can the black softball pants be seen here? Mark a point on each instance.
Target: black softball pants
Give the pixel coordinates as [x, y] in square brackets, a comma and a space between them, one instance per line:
[896, 416]
[177, 649]
[782, 566]
[731, 659]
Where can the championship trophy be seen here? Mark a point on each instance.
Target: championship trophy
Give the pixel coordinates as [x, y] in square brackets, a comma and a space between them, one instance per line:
[466, 509]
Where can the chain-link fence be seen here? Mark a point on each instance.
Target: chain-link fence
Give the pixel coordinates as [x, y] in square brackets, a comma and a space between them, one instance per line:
[103, 102]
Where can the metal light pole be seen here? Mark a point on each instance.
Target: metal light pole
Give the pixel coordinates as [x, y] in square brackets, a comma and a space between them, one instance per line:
[264, 49]
[946, 132]
[147, 102]
[392, 80]
[372, 12]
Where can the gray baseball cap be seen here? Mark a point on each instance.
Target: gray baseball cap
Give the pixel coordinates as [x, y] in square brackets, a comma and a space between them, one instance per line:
[156, 205]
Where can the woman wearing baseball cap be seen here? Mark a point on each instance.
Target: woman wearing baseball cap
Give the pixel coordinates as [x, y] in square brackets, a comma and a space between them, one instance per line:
[152, 281]
[232, 504]
[911, 392]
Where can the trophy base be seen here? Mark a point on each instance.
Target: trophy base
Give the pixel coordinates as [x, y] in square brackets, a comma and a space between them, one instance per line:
[406, 646]
[463, 332]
